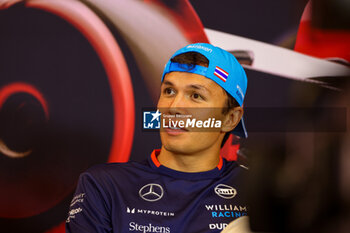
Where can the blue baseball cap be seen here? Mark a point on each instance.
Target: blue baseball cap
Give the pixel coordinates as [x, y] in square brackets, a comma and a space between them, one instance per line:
[224, 69]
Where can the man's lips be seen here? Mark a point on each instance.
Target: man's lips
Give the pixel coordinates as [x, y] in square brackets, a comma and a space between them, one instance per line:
[175, 130]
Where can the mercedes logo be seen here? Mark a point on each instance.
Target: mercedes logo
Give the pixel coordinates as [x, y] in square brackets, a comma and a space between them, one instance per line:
[151, 192]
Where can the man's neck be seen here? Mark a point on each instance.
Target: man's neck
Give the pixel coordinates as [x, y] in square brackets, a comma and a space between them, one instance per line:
[196, 162]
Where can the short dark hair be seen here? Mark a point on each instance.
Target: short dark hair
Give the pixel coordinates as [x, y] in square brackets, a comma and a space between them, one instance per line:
[194, 58]
[191, 58]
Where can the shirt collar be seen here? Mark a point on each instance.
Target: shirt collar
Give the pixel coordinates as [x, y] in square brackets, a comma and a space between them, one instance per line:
[153, 160]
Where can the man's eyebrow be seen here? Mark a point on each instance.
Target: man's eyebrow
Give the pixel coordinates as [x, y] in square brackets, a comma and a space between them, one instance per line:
[199, 87]
[193, 86]
[168, 83]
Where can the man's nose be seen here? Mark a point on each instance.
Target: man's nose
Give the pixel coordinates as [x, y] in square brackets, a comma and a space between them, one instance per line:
[178, 104]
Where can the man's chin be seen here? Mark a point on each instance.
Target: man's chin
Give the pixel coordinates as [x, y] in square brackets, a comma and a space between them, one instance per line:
[177, 149]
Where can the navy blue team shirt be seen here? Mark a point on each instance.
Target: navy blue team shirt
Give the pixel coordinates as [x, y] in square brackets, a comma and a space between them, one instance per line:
[149, 197]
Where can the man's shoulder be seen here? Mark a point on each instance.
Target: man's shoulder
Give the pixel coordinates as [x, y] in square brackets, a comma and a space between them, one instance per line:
[115, 166]
[236, 167]
[116, 169]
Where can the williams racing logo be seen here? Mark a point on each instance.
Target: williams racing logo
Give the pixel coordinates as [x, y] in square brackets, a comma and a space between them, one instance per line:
[226, 211]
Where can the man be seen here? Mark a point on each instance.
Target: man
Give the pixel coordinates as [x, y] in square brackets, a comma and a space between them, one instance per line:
[185, 186]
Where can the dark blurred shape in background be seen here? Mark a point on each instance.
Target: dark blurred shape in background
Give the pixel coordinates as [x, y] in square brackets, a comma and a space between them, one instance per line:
[331, 14]
[300, 181]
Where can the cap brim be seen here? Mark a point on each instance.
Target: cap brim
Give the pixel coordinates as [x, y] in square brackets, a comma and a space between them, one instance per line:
[240, 130]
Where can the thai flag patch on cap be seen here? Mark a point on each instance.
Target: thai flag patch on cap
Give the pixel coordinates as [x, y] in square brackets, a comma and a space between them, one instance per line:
[220, 73]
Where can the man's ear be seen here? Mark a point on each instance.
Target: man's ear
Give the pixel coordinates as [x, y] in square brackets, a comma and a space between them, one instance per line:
[231, 119]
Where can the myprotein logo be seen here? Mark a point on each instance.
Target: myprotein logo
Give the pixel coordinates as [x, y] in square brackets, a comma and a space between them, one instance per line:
[130, 211]
[225, 191]
[151, 192]
[135, 227]
[149, 212]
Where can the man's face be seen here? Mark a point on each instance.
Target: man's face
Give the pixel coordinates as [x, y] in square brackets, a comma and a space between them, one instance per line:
[182, 93]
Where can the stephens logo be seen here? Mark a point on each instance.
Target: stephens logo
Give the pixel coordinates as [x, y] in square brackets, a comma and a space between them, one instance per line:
[151, 192]
[225, 191]
[148, 228]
